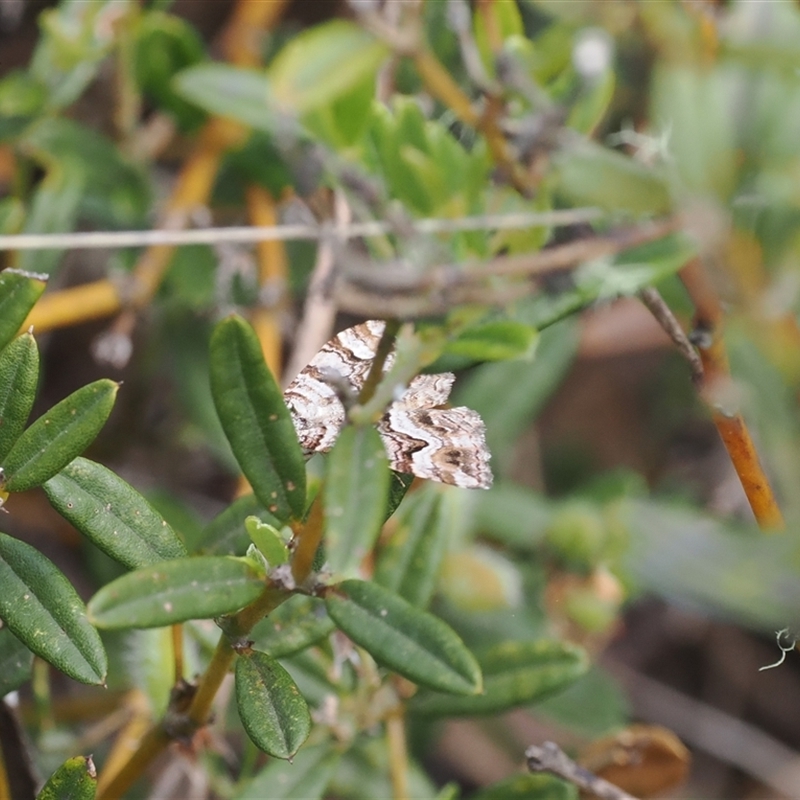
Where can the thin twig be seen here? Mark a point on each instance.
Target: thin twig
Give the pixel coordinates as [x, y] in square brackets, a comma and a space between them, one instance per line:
[396, 291]
[652, 298]
[319, 310]
[715, 394]
[248, 233]
[551, 758]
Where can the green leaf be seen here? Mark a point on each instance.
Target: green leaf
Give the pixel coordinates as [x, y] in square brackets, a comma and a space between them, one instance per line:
[590, 108]
[528, 787]
[515, 516]
[226, 534]
[356, 493]
[40, 607]
[697, 107]
[16, 661]
[267, 538]
[499, 340]
[198, 587]
[410, 562]
[524, 387]
[590, 174]
[227, 91]
[75, 38]
[255, 419]
[90, 175]
[165, 44]
[18, 294]
[112, 515]
[306, 776]
[19, 375]
[75, 779]
[271, 708]
[322, 63]
[515, 673]
[293, 626]
[53, 208]
[58, 436]
[409, 641]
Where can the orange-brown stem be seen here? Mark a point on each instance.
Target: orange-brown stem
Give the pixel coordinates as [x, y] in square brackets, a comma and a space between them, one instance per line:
[731, 426]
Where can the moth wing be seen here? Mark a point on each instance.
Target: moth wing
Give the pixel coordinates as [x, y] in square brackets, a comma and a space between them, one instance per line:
[440, 444]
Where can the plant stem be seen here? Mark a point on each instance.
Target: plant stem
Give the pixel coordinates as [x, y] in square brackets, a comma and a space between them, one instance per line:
[177, 650]
[398, 753]
[716, 377]
[154, 742]
[211, 681]
[308, 536]
[385, 346]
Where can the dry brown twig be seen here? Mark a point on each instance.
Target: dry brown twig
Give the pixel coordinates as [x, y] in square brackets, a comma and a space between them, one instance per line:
[551, 758]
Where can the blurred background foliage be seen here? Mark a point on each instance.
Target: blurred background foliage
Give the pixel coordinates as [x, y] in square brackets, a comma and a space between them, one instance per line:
[616, 519]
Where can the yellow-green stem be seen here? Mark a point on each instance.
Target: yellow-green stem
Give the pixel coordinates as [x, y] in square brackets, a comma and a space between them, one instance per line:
[153, 744]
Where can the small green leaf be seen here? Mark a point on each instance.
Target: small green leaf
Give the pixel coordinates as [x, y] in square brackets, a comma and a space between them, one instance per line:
[227, 91]
[515, 673]
[164, 44]
[294, 625]
[75, 779]
[255, 419]
[18, 294]
[112, 514]
[307, 776]
[528, 787]
[590, 174]
[498, 340]
[267, 538]
[15, 662]
[271, 708]
[225, 535]
[322, 63]
[409, 641]
[40, 607]
[19, 375]
[356, 493]
[58, 436]
[410, 562]
[524, 387]
[198, 587]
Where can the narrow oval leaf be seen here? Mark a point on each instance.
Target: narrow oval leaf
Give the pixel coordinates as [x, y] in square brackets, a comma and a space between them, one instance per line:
[226, 535]
[271, 708]
[19, 376]
[294, 625]
[322, 63]
[497, 340]
[112, 514]
[307, 776]
[409, 641]
[515, 673]
[198, 587]
[40, 607]
[411, 561]
[267, 538]
[255, 419]
[356, 494]
[16, 661]
[18, 293]
[228, 91]
[75, 779]
[58, 436]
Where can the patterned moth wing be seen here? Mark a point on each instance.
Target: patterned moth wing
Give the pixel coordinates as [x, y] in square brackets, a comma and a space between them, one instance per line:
[442, 444]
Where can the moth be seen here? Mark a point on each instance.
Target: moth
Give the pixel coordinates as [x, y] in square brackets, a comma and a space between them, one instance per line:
[420, 436]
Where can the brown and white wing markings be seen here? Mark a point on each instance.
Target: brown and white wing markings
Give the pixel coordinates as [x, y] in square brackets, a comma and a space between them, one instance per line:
[441, 444]
[317, 411]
